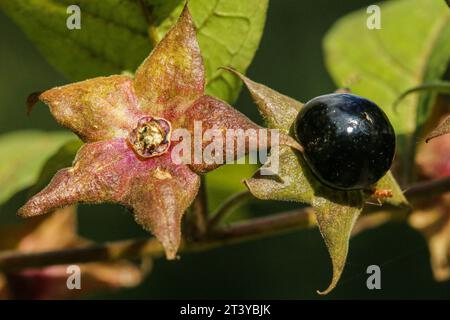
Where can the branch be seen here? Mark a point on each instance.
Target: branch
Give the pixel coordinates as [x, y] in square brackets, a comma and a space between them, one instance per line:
[198, 213]
[135, 248]
[229, 205]
[108, 251]
[148, 16]
[427, 189]
[440, 87]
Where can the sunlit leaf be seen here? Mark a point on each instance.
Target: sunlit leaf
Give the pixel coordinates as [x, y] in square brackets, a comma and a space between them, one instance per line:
[22, 155]
[411, 48]
[113, 40]
[438, 87]
[63, 158]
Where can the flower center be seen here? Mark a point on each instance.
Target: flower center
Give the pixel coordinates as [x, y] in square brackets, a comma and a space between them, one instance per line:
[151, 137]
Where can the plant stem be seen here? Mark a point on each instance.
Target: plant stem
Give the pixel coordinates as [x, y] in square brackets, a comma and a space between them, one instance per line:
[151, 30]
[135, 248]
[198, 214]
[268, 225]
[427, 189]
[440, 87]
[228, 206]
[108, 251]
[237, 232]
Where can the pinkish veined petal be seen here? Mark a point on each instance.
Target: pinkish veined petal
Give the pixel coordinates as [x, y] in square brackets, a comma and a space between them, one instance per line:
[96, 109]
[211, 113]
[159, 200]
[100, 172]
[173, 75]
[157, 190]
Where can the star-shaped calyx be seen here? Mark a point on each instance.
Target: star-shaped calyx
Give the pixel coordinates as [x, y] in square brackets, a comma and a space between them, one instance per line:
[127, 123]
[336, 211]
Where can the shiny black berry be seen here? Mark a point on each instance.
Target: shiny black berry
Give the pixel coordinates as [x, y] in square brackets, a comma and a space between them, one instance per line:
[348, 141]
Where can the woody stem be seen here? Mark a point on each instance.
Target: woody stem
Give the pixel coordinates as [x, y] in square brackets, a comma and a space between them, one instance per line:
[199, 211]
[147, 12]
[228, 206]
[237, 232]
[135, 248]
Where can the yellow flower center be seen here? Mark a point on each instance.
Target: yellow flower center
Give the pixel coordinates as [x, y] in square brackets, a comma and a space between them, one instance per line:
[151, 137]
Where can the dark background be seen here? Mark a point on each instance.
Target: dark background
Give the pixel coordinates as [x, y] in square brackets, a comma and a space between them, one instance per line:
[295, 265]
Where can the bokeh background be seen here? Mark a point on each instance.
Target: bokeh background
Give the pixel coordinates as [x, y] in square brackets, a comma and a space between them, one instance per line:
[293, 265]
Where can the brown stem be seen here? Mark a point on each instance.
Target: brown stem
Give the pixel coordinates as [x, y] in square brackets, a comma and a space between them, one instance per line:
[198, 215]
[426, 189]
[97, 252]
[228, 206]
[237, 232]
[268, 225]
[135, 248]
[147, 11]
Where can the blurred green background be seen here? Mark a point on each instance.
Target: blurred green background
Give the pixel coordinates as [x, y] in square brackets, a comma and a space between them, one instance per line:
[294, 265]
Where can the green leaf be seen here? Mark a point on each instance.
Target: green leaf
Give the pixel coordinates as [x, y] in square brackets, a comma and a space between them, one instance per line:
[438, 87]
[62, 158]
[22, 155]
[220, 188]
[411, 48]
[336, 211]
[114, 35]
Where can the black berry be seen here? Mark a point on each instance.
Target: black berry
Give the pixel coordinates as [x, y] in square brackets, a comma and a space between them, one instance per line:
[348, 141]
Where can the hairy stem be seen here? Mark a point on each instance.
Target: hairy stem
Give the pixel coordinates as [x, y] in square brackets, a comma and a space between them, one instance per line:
[237, 232]
[439, 87]
[198, 214]
[426, 189]
[135, 248]
[228, 206]
[151, 30]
